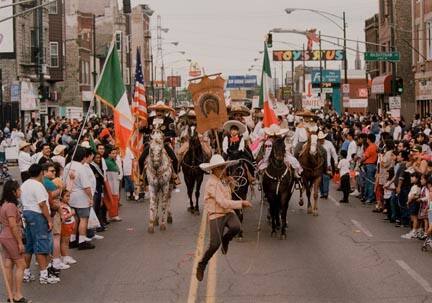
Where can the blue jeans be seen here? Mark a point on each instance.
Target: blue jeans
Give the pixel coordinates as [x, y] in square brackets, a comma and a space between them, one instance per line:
[403, 199]
[325, 185]
[129, 186]
[395, 209]
[369, 194]
[39, 239]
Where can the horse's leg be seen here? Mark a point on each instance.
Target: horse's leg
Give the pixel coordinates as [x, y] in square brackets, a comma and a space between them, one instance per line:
[152, 209]
[316, 184]
[284, 200]
[199, 181]
[157, 201]
[273, 212]
[307, 185]
[164, 201]
[190, 186]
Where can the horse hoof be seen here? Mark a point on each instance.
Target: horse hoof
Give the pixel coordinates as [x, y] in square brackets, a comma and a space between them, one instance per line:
[150, 229]
[197, 212]
[156, 222]
[162, 227]
[273, 234]
[309, 211]
[190, 209]
[301, 203]
[169, 219]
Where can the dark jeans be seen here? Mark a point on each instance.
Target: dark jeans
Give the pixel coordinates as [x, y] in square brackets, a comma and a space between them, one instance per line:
[217, 227]
[403, 199]
[325, 185]
[99, 208]
[395, 209]
[370, 182]
[345, 186]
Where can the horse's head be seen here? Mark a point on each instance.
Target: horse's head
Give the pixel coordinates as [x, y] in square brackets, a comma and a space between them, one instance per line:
[193, 137]
[278, 151]
[313, 145]
[156, 148]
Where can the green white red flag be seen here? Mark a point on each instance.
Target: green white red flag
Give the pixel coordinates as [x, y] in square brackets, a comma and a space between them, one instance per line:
[111, 90]
[267, 97]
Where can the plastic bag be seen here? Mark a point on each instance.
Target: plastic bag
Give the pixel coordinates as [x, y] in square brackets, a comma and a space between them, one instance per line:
[93, 221]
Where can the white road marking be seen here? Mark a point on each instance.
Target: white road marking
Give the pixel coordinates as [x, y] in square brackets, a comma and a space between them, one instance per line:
[193, 288]
[334, 201]
[212, 280]
[362, 228]
[419, 279]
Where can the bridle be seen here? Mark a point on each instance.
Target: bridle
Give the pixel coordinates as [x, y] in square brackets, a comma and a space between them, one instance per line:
[277, 179]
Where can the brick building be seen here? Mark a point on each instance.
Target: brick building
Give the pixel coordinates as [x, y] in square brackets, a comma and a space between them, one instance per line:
[372, 40]
[381, 88]
[421, 60]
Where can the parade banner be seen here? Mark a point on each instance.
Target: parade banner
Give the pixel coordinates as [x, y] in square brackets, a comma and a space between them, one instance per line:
[308, 55]
[209, 103]
[7, 42]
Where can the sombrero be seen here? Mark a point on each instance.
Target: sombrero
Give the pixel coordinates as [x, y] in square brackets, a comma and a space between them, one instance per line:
[24, 144]
[160, 105]
[216, 161]
[306, 114]
[230, 123]
[58, 149]
[243, 110]
[281, 109]
[275, 130]
[191, 113]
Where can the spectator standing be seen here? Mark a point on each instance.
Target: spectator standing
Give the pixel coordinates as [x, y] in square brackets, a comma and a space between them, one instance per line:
[98, 205]
[36, 211]
[370, 158]
[59, 155]
[24, 160]
[112, 175]
[128, 160]
[11, 239]
[331, 154]
[344, 169]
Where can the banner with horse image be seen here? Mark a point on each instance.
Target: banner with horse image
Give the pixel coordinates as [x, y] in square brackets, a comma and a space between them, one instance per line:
[209, 102]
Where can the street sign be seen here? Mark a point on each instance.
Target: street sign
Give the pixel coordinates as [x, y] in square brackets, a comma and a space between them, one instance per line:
[382, 56]
[395, 102]
[346, 89]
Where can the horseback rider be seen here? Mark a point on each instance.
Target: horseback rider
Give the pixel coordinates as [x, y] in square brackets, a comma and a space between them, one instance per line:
[188, 130]
[163, 122]
[234, 147]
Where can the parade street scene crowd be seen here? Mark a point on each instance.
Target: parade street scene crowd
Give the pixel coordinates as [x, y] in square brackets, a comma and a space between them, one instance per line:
[143, 160]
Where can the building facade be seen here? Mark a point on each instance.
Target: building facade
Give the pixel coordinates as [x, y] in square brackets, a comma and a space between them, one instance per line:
[398, 11]
[422, 58]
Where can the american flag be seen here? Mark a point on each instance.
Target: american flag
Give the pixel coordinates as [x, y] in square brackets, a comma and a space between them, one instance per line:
[139, 104]
[139, 109]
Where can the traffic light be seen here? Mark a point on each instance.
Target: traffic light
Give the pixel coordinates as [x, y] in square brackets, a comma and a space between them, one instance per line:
[269, 40]
[126, 6]
[398, 86]
[43, 93]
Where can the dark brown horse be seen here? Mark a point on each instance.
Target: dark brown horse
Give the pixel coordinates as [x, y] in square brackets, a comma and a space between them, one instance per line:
[192, 173]
[312, 158]
[278, 182]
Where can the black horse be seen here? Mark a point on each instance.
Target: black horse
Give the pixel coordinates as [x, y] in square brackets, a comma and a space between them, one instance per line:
[193, 174]
[278, 182]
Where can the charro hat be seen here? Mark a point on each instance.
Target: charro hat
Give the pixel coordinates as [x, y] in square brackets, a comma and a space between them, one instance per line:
[160, 105]
[230, 123]
[216, 161]
[239, 109]
[275, 130]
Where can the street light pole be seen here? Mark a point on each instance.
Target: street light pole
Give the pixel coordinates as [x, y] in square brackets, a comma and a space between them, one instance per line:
[97, 103]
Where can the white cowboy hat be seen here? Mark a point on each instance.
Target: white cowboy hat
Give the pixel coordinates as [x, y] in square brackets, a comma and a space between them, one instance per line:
[58, 149]
[240, 109]
[191, 113]
[321, 135]
[182, 113]
[275, 130]
[85, 144]
[230, 123]
[24, 144]
[216, 161]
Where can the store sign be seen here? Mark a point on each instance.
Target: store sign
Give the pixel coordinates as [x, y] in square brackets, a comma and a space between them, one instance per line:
[194, 70]
[395, 102]
[242, 82]
[328, 76]
[312, 102]
[308, 55]
[424, 90]
[174, 81]
[15, 92]
[357, 103]
[363, 92]
[6, 28]
[28, 96]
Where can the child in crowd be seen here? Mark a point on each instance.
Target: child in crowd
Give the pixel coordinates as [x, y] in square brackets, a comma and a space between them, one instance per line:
[413, 205]
[68, 223]
[344, 169]
[389, 189]
[428, 241]
[424, 207]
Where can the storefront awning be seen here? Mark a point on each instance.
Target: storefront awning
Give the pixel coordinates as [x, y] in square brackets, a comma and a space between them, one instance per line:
[381, 85]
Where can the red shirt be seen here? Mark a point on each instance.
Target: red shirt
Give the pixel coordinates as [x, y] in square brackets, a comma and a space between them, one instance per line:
[370, 155]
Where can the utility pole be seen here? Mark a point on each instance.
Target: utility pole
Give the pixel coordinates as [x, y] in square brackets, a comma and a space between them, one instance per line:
[1, 98]
[39, 20]
[321, 70]
[304, 69]
[345, 50]
[282, 75]
[159, 51]
[94, 73]
[392, 46]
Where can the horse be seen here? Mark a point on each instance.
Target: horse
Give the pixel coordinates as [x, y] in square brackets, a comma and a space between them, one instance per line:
[312, 158]
[277, 184]
[192, 173]
[159, 172]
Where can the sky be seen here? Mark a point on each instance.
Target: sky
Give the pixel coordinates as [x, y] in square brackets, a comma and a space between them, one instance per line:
[226, 35]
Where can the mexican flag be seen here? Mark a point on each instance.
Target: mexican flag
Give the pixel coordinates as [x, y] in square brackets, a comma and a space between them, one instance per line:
[111, 90]
[267, 97]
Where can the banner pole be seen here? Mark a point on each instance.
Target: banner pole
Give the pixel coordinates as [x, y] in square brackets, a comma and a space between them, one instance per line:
[217, 141]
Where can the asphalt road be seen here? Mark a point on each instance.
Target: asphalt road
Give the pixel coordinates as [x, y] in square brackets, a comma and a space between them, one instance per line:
[346, 254]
